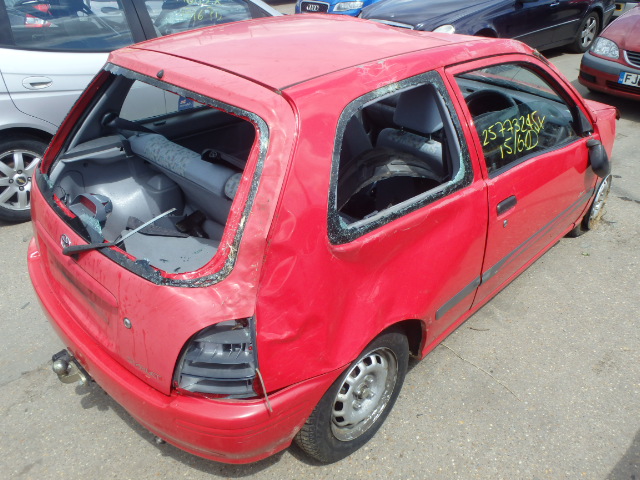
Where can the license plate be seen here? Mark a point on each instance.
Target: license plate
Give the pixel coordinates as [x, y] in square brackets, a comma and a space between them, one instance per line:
[632, 79]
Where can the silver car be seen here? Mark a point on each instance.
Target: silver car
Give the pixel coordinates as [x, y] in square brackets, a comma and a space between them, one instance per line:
[50, 50]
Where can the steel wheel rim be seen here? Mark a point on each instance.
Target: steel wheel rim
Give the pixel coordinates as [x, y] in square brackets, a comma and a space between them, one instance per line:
[364, 394]
[589, 32]
[597, 209]
[17, 168]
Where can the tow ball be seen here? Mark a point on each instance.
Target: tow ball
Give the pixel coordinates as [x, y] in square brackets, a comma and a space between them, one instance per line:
[68, 369]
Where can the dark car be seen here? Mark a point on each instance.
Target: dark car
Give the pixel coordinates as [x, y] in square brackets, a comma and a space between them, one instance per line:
[541, 24]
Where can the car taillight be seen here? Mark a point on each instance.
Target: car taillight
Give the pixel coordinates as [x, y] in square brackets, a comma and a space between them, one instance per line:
[219, 361]
[35, 22]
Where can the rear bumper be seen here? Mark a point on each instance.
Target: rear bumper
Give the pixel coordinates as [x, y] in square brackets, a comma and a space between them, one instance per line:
[602, 75]
[238, 431]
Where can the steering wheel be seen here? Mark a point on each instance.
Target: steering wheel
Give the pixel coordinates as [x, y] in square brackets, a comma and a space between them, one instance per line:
[488, 100]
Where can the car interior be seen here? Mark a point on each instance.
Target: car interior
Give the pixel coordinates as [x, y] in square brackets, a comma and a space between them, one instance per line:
[171, 179]
[516, 114]
[394, 149]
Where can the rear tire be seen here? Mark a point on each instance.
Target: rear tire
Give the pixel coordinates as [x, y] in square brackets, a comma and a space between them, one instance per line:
[19, 159]
[587, 33]
[353, 409]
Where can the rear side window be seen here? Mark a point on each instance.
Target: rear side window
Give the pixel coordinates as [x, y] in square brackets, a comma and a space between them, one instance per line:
[395, 153]
[67, 25]
[516, 112]
[173, 16]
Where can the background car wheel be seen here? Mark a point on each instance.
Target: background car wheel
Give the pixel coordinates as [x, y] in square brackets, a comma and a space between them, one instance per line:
[356, 405]
[595, 212]
[19, 159]
[589, 30]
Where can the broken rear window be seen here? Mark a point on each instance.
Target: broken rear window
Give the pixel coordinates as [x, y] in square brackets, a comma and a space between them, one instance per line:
[154, 171]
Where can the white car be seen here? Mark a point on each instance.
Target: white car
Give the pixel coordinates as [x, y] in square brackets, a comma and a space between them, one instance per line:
[50, 50]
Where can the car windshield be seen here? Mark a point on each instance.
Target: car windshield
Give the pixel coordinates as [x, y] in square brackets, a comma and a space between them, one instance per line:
[68, 25]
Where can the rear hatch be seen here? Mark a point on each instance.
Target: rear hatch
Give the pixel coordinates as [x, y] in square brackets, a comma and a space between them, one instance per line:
[149, 194]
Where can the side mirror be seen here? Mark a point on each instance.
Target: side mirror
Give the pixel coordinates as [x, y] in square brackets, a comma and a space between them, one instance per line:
[598, 158]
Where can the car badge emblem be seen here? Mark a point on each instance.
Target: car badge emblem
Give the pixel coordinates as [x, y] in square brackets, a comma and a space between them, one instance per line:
[65, 241]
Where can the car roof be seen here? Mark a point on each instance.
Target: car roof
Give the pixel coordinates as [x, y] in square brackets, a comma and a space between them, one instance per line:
[279, 52]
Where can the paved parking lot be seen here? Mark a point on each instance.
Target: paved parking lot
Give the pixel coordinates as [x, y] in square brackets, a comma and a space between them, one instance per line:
[542, 383]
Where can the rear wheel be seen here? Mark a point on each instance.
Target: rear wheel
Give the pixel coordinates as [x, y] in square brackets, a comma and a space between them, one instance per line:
[19, 159]
[589, 29]
[356, 405]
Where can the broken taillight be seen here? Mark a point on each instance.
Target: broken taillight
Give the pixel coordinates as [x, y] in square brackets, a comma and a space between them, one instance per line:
[219, 361]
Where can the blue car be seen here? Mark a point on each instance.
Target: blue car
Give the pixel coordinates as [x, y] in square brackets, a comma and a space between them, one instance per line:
[341, 7]
[542, 24]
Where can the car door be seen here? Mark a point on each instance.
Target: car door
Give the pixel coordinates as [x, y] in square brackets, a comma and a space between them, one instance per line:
[535, 162]
[567, 15]
[50, 49]
[527, 21]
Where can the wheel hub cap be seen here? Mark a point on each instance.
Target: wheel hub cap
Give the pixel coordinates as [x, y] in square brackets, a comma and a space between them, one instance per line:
[597, 209]
[17, 168]
[364, 394]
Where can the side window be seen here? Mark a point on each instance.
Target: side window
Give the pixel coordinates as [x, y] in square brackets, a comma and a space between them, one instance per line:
[394, 154]
[516, 113]
[173, 16]
[68, 25]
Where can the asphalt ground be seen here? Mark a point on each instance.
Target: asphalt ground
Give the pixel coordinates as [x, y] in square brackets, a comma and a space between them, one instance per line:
[542, 383]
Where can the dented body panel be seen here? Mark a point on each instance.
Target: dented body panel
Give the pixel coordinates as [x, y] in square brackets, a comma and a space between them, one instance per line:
[312, 282]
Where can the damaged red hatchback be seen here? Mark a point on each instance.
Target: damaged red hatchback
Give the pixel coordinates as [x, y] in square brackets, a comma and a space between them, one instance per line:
[243, 232]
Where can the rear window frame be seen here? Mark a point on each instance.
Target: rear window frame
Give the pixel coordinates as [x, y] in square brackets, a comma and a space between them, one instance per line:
[153, 274]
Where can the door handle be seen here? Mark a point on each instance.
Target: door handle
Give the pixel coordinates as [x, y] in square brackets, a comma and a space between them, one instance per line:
[506, 204]
[36, 83]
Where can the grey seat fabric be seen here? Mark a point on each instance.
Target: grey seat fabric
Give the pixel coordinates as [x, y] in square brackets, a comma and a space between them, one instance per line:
[355, 140]
[201, 182]
[418, 117]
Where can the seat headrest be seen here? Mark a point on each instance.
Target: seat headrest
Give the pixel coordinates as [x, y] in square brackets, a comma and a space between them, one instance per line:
[417, 110]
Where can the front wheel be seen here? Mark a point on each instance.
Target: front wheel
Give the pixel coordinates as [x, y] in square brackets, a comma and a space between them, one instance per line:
[595, 212]
[589, 29]
[356, 405]
[19, 158]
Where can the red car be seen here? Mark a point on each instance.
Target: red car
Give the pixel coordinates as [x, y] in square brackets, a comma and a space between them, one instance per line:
[612, 65]
[326, 197]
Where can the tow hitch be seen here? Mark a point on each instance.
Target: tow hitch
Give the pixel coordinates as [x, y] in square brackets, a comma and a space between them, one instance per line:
[68, 369]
